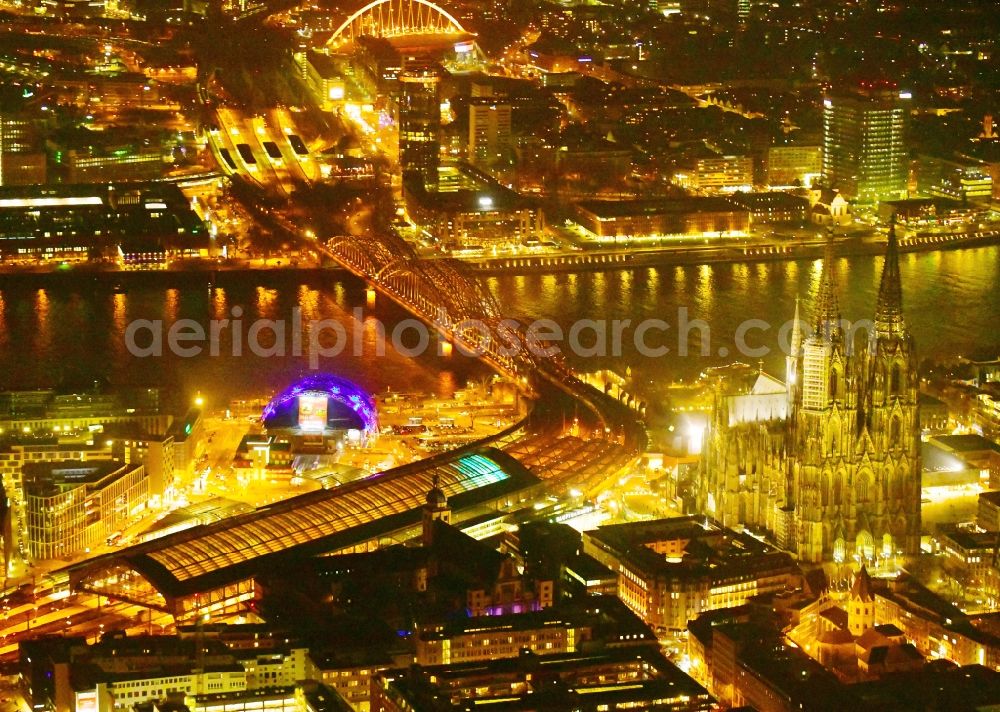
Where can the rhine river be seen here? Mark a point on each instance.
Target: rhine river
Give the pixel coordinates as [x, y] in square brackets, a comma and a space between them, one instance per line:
[73, 331]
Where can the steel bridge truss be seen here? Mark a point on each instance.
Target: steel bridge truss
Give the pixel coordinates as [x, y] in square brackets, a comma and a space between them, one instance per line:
[441, 293]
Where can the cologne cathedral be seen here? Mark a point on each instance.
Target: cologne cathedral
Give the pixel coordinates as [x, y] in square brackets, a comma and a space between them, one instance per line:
[828, 462]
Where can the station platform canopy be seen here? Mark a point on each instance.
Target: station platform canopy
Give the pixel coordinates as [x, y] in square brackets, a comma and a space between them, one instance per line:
[211, 557]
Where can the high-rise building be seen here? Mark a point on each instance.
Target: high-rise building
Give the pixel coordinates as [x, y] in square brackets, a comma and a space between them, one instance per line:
[830, 466]
[793, 163]
[489, 131]
[420, 122]
[22, 162]
[864, 144]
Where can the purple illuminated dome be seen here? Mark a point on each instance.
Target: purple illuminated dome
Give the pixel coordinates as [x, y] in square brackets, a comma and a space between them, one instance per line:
[322, 401]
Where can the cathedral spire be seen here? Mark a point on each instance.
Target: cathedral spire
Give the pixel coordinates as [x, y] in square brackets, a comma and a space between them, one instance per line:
[796, 345]
[889, 310]
[827, 306]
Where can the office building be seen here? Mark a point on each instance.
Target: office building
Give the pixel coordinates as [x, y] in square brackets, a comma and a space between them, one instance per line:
[81, 222]
[22, 162]
[716, 174]
[104, 164]
[773, 207]
[119, 91]
[794, 165]
[627, 678]
[606, 220]
[71, 507]
[72, 8]
[672, 570]
[324, 76]
[961, 179]
[203, 671]
[489, 132]
[968, 183]
[470, 211]
[864, 144]
[420, 123]
[87, 429]
[569, 627]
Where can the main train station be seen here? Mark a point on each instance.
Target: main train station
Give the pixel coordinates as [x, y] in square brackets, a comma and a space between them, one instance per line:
[211, 570]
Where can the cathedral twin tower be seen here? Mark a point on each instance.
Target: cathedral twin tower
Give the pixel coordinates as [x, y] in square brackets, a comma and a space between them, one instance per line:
[833, 471]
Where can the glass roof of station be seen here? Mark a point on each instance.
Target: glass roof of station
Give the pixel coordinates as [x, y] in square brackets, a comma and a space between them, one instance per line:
[273, 532]
[174, 561]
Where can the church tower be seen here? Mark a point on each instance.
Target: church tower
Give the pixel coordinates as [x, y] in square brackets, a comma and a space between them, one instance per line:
[891, 417]
[861, 604]
[792, 359]
[821, 425]
[435, 508]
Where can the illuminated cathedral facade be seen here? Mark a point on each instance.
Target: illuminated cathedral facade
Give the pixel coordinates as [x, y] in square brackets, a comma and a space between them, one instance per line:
[827, 462]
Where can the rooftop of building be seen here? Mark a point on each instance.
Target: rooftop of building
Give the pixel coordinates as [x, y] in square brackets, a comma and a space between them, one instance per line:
[967, 444]
[888, 630]
[476, 560]
[796, 677]
[610, 209]
[322, 698]
[921, 601]
[993, 497]
[181, 428]
[211, 510]
[325, 65]
[124, 139]
[84, 675]
[93, 195]
[464, 189]
[837, 636]
[48, 442]
[702, 626]
[706, 548]
[554, 680]
[879, 636]
[935, 457]
[48, 478]
[836, 616]
[769, 200]
[933, 687]
[967, 539]
[96, 397]
[119, 658]
[600, 613]
[892, 655]
[589, 569]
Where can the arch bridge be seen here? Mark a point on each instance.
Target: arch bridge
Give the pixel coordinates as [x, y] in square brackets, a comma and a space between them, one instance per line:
[398, 18]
